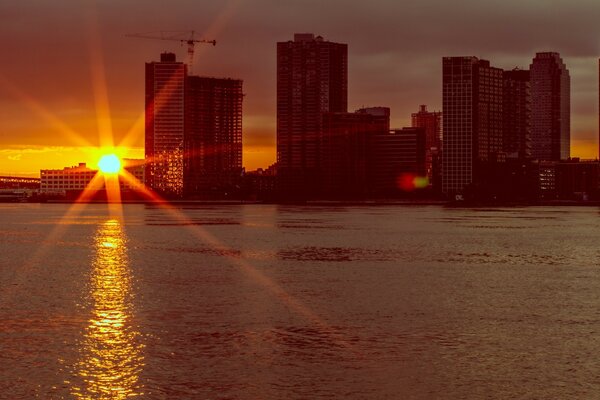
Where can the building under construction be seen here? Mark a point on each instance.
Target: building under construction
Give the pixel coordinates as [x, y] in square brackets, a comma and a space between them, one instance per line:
[193, 131]
[213, 136]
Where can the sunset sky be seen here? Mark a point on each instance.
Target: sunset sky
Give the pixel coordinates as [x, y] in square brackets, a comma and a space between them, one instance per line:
[63, 59]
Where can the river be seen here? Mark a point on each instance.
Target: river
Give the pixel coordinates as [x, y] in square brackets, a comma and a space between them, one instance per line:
[272, 302]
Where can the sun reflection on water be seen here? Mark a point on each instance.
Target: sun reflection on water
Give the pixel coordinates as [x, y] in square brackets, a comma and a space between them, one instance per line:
[111, 352]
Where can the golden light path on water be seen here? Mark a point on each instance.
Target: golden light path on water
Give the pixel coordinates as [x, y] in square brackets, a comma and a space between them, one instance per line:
[111, 356]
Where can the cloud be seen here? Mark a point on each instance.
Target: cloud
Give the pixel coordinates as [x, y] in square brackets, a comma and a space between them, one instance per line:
[395, 51]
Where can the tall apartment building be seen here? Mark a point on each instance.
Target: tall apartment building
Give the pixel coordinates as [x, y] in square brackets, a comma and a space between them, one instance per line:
[516, 109]
[165, 127]
[193, 130]
[551, 108]
[213, 135]
[312, 79]
[346, 150]
[431, 122]
[472, 123]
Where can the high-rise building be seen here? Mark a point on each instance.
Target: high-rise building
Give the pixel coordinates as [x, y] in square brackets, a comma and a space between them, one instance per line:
[516, 110]
[213, 136]
[193, 131]
[551, 108]
[312, 79]
[431, 122]
[345, 150]
[472, 123]
[164, 140]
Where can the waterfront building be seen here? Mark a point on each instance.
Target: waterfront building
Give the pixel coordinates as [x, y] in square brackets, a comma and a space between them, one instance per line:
[551, 107]
[472, 123]
[431, 122]
[165, 127]
[78, 178]
[578, 179]
[260, 183]
[397, 162]
[516, 111]
[213, 136]
[312, 79]
[193, 131]
[346, 148]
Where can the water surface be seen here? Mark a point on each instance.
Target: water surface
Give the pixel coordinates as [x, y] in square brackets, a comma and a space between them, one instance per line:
[271, 302]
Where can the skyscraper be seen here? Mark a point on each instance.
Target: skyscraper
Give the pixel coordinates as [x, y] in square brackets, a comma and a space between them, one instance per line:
[551, 107]
[193, 131]
[213, 136]
[165, 92]
[472, 123]
[312, 79]
[516, 110]
[431, 122]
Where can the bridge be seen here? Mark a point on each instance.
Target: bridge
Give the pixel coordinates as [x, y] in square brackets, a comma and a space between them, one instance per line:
[16, 182]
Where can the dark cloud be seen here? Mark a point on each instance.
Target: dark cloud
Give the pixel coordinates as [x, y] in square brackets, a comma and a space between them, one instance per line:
[395, 50]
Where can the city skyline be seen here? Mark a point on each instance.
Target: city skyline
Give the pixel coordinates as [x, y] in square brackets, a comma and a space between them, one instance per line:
[403, 65]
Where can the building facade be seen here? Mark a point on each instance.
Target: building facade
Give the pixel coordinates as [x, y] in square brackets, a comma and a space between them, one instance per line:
[431, 122]
[346, 150]
[193, 131]
[312, 79]
[164, 139]
[472, 123]
[397, 159]
[213, 136]
[551, 108]
[79, 178]
[516, 110]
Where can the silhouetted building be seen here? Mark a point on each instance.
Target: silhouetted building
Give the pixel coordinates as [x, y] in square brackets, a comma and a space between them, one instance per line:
[260, 184]
[165, 127]
[431, 122]
[397, 162]
[193, 131]
[345, 151]
[472, 123]
[577, 179]
[312, 79]
[213, 136]
[547, 179]
[516, 109]
[551, 112]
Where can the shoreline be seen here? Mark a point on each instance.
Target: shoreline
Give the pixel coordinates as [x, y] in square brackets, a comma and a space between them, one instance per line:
[343, 203]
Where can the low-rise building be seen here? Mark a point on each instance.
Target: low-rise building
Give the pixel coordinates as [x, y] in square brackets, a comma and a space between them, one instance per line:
[80, 177]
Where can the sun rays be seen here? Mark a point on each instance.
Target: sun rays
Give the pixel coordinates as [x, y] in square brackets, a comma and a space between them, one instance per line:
[113, 175]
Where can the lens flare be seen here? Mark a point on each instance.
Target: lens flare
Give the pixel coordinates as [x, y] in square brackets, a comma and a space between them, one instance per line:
[410, 182]
[109, 164]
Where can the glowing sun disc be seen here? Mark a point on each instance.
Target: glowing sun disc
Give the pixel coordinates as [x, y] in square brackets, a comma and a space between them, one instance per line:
[109, 164]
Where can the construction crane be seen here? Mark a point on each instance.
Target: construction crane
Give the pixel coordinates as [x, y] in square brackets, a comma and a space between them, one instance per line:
[177, 36]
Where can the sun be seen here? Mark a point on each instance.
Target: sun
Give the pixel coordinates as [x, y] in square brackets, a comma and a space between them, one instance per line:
[109, 164]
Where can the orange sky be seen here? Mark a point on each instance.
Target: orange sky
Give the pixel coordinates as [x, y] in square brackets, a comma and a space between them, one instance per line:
[67, 65]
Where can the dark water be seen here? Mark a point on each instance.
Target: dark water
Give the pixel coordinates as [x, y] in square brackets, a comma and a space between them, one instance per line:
[271, 302]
